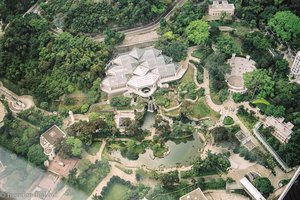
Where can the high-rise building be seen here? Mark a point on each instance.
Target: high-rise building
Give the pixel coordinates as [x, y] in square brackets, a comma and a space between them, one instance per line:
[295, 69]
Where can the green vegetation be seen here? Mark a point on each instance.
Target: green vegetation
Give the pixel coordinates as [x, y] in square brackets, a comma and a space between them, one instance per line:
[89, 178]
[248, 118]
[117, 191]
[197, 32]
[83, 165]
[39, 119]
[263, 184]
[227, 45]
[46, 66]
[80, 16]
[261, 101]
[212, 164]
[228, 121]
[118, 188]
[120, 102]
[199, 110]
[286, 26]
[94, 148]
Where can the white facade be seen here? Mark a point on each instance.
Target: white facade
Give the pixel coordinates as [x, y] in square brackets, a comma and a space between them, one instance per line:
[217, 8]
[282, 130]
[295, 69]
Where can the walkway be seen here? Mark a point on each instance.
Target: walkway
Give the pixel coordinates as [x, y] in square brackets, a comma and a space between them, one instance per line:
[98, 155]
[113, 172]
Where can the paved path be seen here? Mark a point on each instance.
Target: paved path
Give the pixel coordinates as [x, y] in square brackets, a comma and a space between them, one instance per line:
[113, 172]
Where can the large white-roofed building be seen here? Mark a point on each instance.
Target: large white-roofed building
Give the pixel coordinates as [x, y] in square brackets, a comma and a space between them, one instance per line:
[140, 71]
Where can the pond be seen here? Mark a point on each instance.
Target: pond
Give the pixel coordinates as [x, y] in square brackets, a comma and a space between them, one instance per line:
[180, 154]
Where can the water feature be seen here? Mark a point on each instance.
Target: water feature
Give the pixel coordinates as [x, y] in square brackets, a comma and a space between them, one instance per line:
[180, 154]
[149, 120]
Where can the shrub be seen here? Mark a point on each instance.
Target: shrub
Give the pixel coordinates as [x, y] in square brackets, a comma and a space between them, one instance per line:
[228, 120]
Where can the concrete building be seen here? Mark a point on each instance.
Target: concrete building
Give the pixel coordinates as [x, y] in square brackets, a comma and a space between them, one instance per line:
[282, 130]
[2, 114]
[196, 194]
[140, 71]
[217, 8]
[50, 139]
[251, 190]
[295, 69]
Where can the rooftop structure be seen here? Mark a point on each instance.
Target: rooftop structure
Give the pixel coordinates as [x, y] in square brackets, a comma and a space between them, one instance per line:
[295, 69]
[122, 116]
[282, 130]
[239, 66]
[49, 140]
[196, 194]
[245, 140]
[2, 114]
[217, 8]
[251, 190]
[140, 71]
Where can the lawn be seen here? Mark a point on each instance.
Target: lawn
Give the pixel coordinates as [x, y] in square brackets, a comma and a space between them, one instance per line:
[94, 148]
[173, 113]
[188, 76]
[117, 191]
[73, 101]
[201, 109]
[99, 108]
[197, 54]
[249, 124]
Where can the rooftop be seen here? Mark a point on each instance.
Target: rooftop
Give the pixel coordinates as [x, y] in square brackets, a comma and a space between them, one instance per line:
[251, 189]
[138, 69]
[196, 194]
[53, 134]
[221, 5]
[285, 129]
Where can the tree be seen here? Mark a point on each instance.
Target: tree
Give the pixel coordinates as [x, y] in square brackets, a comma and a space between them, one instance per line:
[263, 184]
[286, 25]
[76, 145]
[170, 178]
[112, 37]
[260, 83]
[120, 101]
[220, 134]
[281, 68]
[227, 45]
[36, 155]
[197, 31]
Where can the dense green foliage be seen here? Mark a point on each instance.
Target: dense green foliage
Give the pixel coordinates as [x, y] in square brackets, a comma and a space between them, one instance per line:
[133, 192]
[197, 32]
[120, 102]
[10, 8]
[45, 66]
[39, 119]
[20, 138]
[90, 17]
[88, 179]
[263, 184]
[213, 163]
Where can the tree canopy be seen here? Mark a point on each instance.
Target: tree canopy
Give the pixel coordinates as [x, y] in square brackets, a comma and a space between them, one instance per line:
[197, 31]
[260, 83]
[286, 25]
